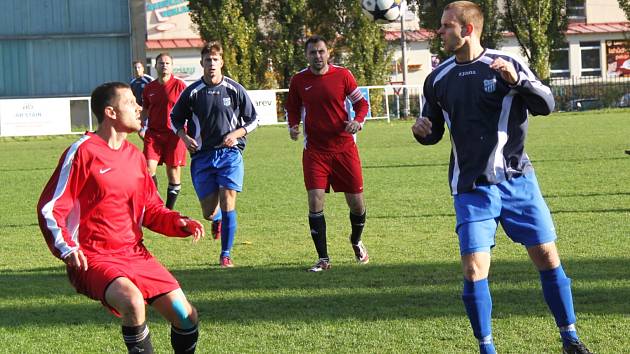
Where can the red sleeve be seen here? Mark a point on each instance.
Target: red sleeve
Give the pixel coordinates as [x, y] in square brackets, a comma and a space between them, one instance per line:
[157, 217]
[293, 105]
[359, 103]
[58, 208]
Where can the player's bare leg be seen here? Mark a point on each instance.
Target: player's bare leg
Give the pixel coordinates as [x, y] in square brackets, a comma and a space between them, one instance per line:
[183, 318]
[174, 185]
[152, 168]
[127, 299]
[356, 204]
[317, 223]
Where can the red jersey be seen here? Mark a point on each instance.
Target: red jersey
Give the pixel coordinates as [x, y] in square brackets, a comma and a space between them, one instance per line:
[98, 199]
[319, 101]
[158, 101]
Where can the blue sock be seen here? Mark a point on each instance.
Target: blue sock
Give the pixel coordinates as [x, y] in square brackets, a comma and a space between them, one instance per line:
[478, 303]
[217, 216]
[557, 292]
[486, 346]
[228, 230]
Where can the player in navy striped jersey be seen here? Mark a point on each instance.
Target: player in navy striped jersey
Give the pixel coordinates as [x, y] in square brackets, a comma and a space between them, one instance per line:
[139, 81]
[484, 97]
[212, 117]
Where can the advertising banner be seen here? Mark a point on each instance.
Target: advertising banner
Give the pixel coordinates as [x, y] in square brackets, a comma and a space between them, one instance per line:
[36, 116]
[618, 58]
[266, 107]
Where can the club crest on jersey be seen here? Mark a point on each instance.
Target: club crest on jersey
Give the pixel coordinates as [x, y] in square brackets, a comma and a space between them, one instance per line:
[227, 101]
[490, 85]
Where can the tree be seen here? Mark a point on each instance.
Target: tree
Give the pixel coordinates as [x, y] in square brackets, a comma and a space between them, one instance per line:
[539, 27]
[625, 6]
[431, 14]
[234, 23]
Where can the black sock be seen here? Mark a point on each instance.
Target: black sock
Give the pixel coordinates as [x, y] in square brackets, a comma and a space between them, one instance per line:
[357, 222]
[184, 341]
[317, 223]
[137, 339]
[154, 178]
[171, 195]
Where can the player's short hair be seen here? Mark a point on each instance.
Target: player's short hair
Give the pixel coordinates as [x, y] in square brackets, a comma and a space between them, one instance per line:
[103, 96]
[314, 39]
[163, 54]
[467, 12]
[137, 62]
[212, 47]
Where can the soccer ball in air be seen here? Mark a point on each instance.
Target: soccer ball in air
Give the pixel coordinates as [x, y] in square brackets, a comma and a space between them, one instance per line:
[382, 11]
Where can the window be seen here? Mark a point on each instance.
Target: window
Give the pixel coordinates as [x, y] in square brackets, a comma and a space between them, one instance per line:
[576, 11]
[560, 63]
[591, 65]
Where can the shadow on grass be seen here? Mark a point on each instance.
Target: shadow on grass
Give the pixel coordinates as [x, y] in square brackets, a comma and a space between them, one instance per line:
[286, 293]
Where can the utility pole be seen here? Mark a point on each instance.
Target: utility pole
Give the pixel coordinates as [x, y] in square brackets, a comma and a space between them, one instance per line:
[403, 48]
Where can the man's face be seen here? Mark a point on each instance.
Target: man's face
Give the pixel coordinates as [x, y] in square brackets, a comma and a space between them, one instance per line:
[138, 69]
[317, 55]
[164, 65]
[451, 31]
[212, 64]
[127, 111]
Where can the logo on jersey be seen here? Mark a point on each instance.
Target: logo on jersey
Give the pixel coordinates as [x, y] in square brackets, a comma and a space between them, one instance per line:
[104, 170]
[227, 101]
[307, 88]
[490, 85]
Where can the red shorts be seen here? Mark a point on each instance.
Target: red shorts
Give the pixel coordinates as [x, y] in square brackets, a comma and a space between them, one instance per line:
[164, 147]
[151, 278]
[341, 170]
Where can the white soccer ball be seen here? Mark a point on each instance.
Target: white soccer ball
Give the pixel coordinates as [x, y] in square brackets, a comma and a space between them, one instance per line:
[382, 11]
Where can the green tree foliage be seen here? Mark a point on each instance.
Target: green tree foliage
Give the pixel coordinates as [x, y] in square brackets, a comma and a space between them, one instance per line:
[431, 14]
[539, 26]
[625, 6]
[264, 40]
[233, 24]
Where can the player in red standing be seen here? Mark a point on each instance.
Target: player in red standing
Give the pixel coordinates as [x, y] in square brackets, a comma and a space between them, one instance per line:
[91, 214]
[317, 97]
[161, 145]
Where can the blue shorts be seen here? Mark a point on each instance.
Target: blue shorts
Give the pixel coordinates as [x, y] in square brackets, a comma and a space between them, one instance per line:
[517, 204]
[213, 169]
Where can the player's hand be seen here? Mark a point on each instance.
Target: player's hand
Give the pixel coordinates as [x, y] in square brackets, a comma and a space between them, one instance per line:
[76, 260]
[294, 132]
[191, 144]
[422, 127]
[231, 139]
[194, 227]
[352, 126]
[506, 70]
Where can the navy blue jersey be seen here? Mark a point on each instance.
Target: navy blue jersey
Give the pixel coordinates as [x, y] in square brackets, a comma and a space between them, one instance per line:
[137, 86]
[212, 111]
[486, 117]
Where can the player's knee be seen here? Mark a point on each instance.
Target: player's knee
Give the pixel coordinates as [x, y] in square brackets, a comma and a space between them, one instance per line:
[472, 272]
[184, 317]
[132, 305]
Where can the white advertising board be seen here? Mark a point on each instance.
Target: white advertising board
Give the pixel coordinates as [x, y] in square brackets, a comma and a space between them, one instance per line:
[265, 103]
[36, 116]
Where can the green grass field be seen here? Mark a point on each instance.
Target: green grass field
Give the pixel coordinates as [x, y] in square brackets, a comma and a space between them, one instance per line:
[407, 300]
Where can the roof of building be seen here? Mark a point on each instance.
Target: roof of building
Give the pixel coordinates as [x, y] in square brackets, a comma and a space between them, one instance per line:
[608, 27]
[174, 43]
